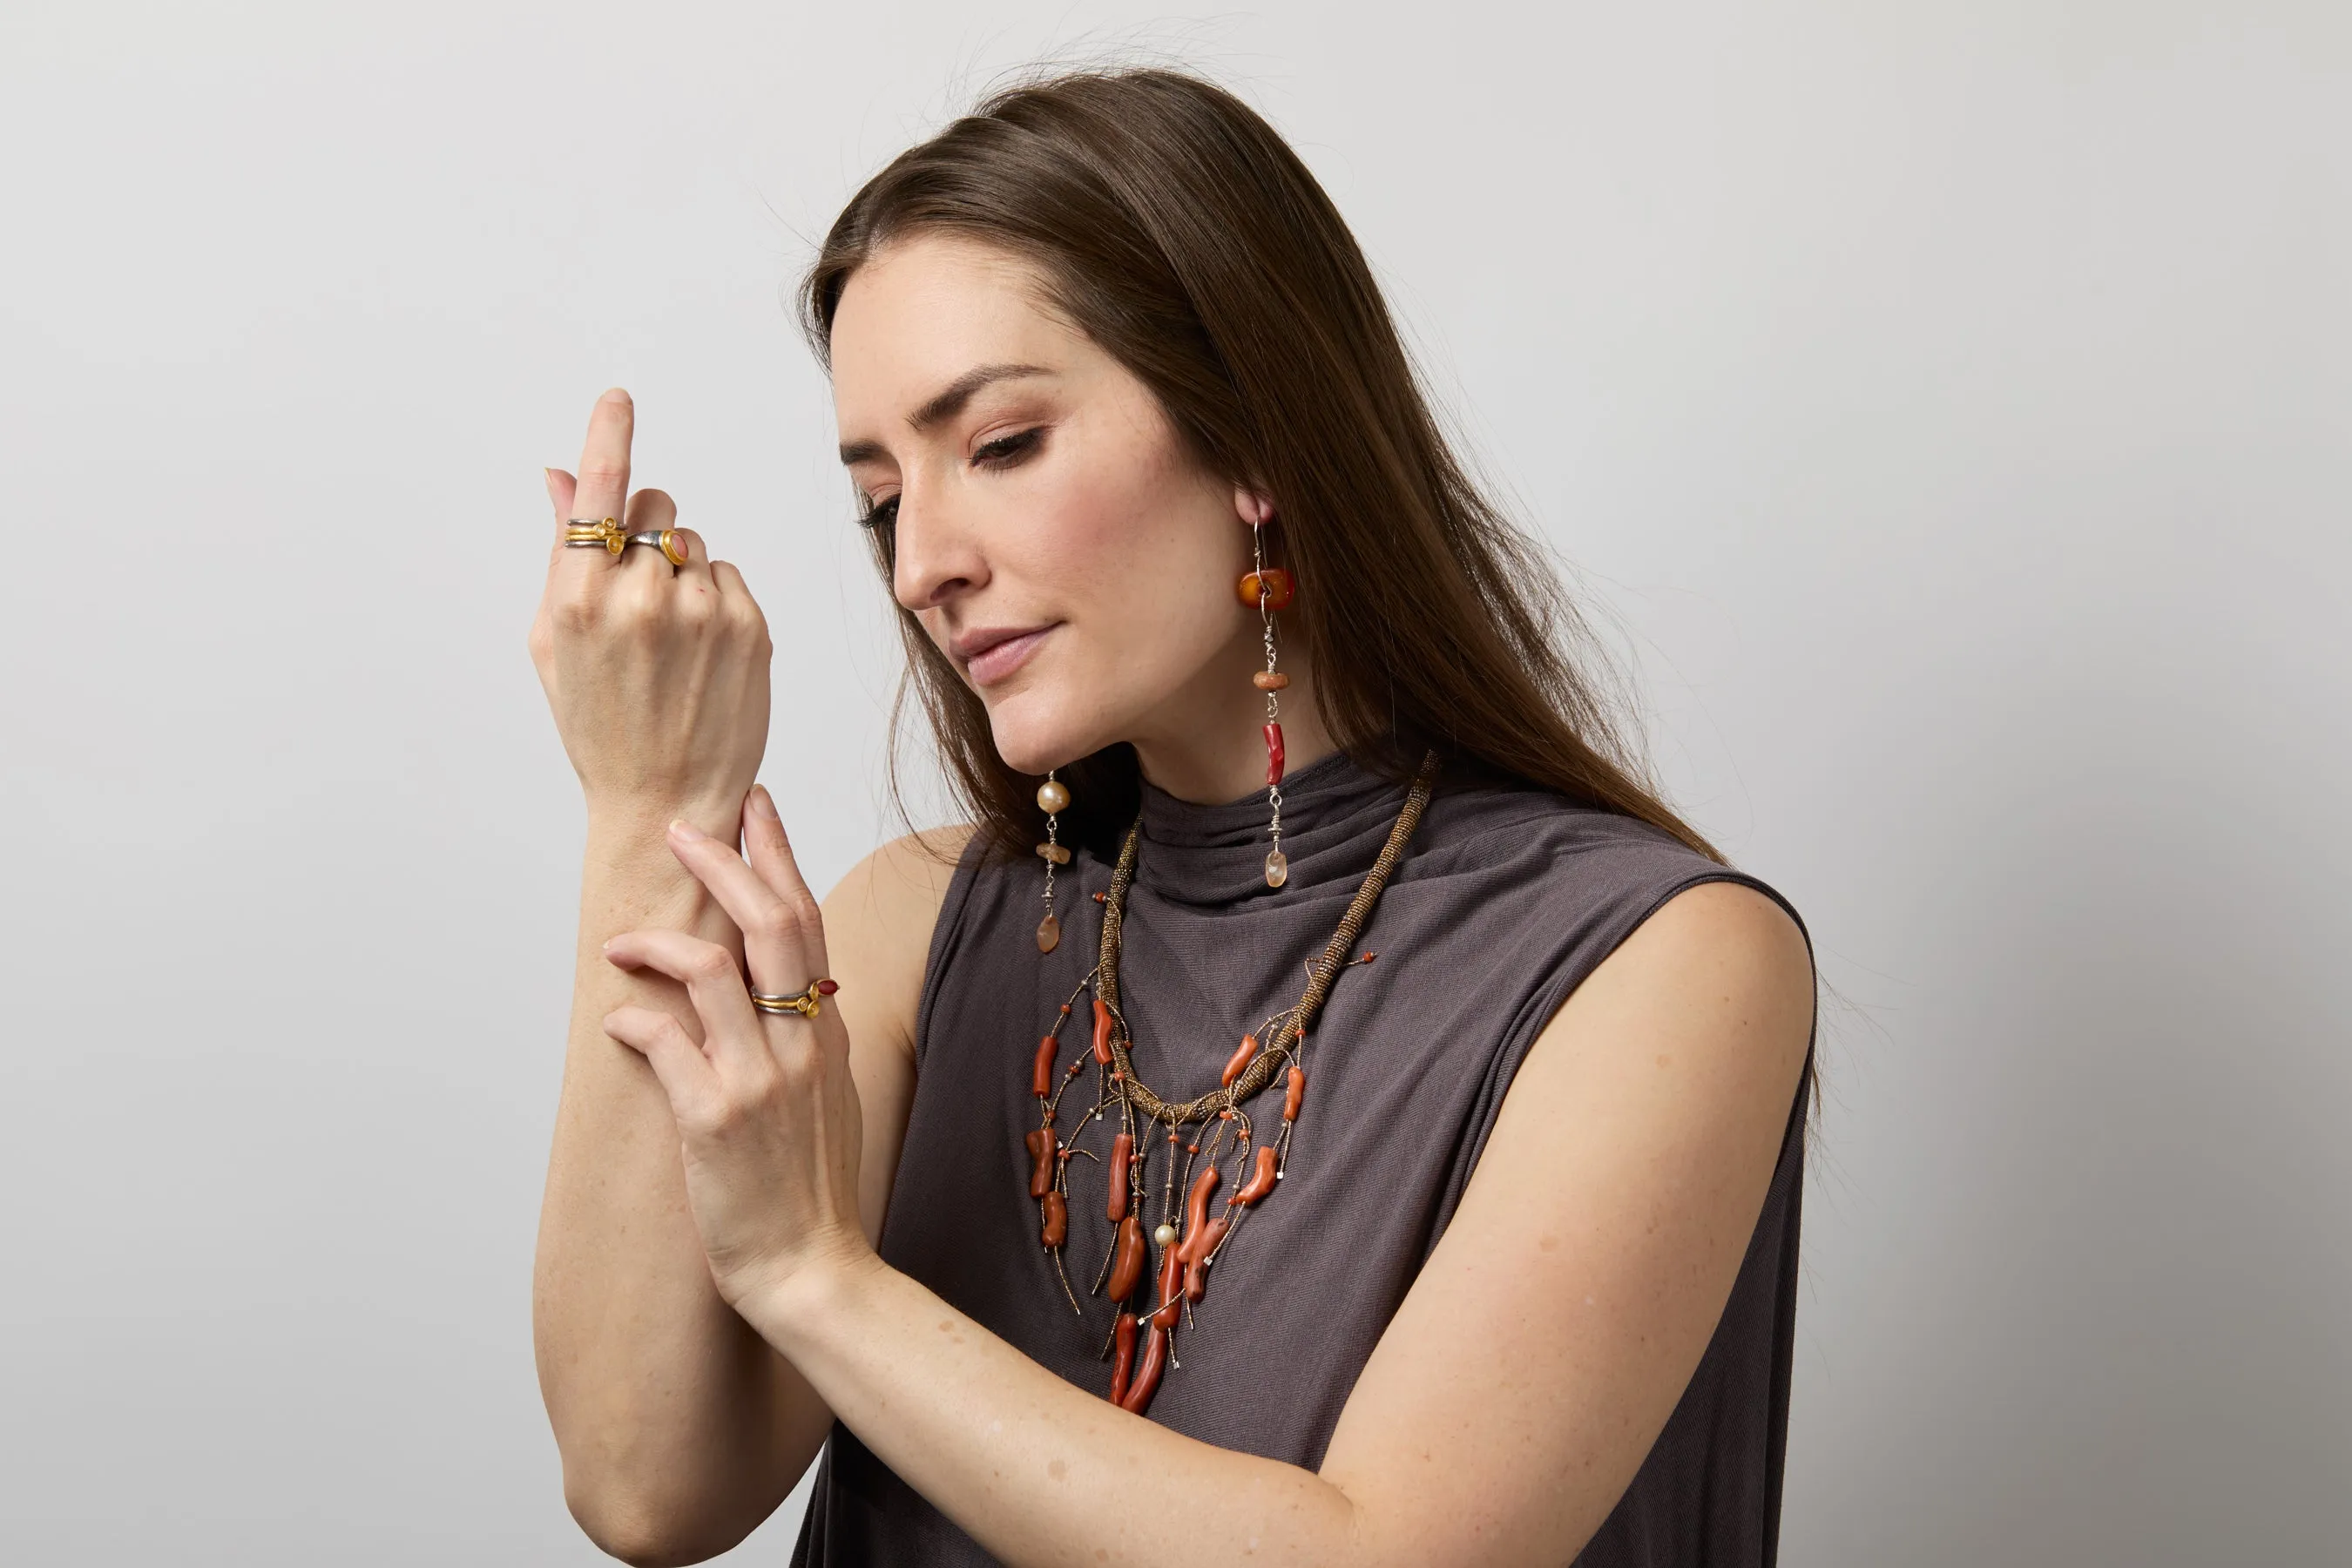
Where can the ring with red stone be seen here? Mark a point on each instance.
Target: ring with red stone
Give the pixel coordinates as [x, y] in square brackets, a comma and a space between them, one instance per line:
[666, 541]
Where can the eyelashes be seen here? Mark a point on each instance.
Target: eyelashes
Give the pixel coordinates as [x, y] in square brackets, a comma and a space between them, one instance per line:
[1004, 452]
[1007, 450]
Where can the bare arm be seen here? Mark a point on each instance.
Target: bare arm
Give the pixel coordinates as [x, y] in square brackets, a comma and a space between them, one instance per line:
[679, 1427]
[1511, 1399]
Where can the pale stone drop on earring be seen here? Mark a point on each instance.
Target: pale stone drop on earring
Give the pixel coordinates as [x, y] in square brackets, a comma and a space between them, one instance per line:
[1052, 798]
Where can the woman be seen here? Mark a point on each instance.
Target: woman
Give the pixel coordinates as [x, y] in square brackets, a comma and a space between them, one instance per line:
[1388, 1151]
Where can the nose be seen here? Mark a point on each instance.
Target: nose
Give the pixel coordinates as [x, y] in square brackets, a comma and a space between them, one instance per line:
[935, 552]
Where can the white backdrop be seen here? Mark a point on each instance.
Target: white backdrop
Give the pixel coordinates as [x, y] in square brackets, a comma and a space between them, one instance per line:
[1946, 405]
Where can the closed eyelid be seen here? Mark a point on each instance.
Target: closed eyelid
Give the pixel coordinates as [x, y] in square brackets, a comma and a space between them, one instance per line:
[1019, 438]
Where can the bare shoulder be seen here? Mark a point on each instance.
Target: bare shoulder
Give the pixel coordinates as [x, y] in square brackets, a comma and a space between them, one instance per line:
[878, 921]
[1716, 944]
[1561, 1317]
[1722, 972]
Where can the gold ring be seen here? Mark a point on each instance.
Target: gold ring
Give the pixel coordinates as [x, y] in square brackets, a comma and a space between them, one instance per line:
[608, 534]
[666, 541]
[804, 1004]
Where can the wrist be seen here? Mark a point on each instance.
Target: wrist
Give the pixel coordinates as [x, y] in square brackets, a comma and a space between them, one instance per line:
[835, 1287]
[630, 877]
[642, 821]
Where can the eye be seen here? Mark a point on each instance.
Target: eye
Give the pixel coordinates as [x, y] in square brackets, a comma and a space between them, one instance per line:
[1007, 450]
[882, 514]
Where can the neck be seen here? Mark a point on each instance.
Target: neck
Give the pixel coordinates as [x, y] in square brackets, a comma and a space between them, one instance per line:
[1207, 745]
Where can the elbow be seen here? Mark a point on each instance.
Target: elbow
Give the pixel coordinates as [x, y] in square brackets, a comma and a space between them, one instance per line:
[646, 1532]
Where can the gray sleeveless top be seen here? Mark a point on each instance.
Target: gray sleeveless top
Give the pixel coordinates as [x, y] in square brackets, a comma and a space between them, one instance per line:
[1508, 897]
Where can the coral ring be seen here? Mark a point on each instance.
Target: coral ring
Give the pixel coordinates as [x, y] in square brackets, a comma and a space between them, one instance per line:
[805, 1003]
[666, 541]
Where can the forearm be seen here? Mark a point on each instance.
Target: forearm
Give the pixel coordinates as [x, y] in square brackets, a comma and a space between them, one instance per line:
[669, 1411]
[1035, 1469]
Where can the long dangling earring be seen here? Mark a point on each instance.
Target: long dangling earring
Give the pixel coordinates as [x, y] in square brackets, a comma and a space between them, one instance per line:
[1052, 798]
[1269, 588]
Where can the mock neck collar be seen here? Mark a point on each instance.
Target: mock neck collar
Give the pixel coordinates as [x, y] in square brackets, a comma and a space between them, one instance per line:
[1336, 815]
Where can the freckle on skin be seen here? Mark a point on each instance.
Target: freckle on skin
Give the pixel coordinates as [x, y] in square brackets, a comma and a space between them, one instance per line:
[1548, 1243]
[1057, 1469]
[1665, 1061]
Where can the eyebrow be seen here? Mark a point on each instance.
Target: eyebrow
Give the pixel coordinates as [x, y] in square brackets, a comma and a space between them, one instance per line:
[945, 404]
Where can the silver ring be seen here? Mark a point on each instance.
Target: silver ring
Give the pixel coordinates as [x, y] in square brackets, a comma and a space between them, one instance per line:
[665, 540]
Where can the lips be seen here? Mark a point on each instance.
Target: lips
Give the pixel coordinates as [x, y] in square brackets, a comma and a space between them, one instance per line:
[990, 656]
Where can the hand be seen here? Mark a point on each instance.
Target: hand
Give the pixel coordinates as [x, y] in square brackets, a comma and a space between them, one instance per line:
[657, 674]
[767, 1116]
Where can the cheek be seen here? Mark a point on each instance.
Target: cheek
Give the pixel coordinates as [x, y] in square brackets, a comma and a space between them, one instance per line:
[1136, 543]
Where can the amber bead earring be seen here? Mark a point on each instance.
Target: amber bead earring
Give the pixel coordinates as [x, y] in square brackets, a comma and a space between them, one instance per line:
[1269, 589]
[1053, 798]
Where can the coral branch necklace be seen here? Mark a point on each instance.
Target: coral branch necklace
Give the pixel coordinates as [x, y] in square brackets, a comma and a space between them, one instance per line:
[1277, 1047]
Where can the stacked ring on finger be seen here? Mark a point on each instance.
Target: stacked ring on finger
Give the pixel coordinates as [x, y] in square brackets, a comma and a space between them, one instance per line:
[805, 1003]
[607, 534]
[611, 536]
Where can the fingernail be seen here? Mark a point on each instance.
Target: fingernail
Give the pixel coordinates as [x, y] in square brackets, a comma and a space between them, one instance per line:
[615, 395]
[762, 804]
[684, 828]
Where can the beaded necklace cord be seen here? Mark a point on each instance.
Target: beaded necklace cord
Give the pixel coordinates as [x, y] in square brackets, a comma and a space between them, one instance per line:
[1276, 1046]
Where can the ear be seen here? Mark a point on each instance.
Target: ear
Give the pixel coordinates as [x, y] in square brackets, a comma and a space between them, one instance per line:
[1252, 507]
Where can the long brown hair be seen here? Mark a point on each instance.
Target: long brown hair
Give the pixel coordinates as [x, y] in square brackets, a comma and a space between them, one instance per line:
[1179, 232]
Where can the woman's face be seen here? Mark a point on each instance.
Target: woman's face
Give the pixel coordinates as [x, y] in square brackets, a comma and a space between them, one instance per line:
[1053, 534]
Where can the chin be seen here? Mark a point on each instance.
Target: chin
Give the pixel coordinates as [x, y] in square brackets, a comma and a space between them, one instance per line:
[1035, 733]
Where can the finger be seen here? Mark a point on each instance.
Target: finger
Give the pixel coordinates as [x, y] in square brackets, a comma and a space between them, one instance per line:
[735, 597]
[772, 858]
[775, 941]
[603, 487]
[650, 511]
[686, 1075]
[694, 578]
[731, 1026]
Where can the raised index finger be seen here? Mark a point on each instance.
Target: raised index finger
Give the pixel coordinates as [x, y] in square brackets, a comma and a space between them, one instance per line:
[601, 489]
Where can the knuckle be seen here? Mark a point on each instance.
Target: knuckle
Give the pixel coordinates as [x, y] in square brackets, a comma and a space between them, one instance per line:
[809, 1072]
[711, 964]
[635, 613]
[778, 922]
[603, 476]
